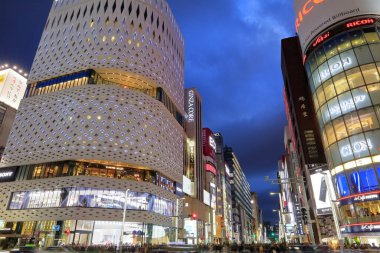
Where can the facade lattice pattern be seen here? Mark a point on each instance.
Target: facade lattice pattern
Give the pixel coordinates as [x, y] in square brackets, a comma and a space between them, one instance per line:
[100, 123]
[126, 41]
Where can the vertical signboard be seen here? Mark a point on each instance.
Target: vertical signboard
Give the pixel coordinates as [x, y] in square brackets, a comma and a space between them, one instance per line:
[12, 86]
[321, 194]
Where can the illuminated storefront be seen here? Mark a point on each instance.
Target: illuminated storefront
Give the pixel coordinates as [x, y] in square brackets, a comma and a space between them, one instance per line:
[343, 70]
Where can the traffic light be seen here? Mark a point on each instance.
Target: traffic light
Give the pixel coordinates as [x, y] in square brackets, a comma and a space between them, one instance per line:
[272, 233]
[194, 216]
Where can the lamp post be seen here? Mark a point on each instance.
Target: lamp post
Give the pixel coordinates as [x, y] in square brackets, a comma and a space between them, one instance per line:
[280, 213]
[123, 223]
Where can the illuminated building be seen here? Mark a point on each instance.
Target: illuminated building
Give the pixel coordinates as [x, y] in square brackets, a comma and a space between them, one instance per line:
[197, 230]
[341, 51]
[210, 184]
[241, 199]
[224, 202]
[304, 151]
[256, 217]
[100, 129]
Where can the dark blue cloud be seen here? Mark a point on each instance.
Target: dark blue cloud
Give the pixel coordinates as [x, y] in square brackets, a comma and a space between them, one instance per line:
[232, 57]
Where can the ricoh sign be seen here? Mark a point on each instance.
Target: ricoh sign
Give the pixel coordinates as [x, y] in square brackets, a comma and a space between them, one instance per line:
[314, 16]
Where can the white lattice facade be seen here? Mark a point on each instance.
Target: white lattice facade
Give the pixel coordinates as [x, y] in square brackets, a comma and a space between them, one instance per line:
[125, 135]
[134, 42]
[96, 122]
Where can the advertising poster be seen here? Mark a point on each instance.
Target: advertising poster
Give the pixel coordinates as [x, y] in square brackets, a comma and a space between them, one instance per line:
[321, 194]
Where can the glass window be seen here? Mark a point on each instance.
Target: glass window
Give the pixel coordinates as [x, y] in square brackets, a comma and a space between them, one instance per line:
[374, 92]
[334, 108]
[329, 89]
[321, 96]
[330, 49]
[375, 50]
[335, 154]
[371, 35]
[354, 178]
[340, 128]
[346, 102]
[373, 141]
[313, 62]
[325, 113]
[320, 55]
[316, 79]
[330, 133]
[342, 185]
[368, 180]
[335, 66]
[324, 72]
[348, 59]
[343, 42]
[341, 84]
[345, 150]
[355, 78]
[359, 146]
[352, 123]
[363, 55]
[368, 119]
[315, 100]
[357, 38]
[370, 73]
[361, 97]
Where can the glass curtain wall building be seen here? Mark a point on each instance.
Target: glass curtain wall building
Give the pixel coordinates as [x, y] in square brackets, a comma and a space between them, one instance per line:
[342, 65]
[100, 129]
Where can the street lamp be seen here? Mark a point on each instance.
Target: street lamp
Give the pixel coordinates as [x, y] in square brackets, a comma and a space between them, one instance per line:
[280, 214]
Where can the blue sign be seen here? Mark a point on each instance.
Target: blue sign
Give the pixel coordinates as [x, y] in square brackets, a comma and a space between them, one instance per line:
[55, 227]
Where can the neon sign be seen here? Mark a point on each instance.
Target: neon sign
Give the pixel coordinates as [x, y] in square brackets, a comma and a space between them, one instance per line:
[210, 168]
[306, 9]
[321, 39]
[191, 109]
[361, 22]
[6, 174]
[212, 143]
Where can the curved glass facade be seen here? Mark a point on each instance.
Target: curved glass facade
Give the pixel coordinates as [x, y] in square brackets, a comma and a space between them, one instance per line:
[344, 77]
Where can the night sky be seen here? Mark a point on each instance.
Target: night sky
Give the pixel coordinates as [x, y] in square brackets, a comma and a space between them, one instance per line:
[232, 58]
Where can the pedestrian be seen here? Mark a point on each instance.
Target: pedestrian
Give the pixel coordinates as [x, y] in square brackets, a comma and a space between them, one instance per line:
[261, 249]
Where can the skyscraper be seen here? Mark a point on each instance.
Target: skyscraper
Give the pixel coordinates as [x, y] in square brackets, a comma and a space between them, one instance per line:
[341, 52]
[101, 127]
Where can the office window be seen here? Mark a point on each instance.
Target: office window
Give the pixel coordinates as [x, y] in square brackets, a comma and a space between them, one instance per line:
[370, 73]
[340, 128]
[368, 119]
[355, 78]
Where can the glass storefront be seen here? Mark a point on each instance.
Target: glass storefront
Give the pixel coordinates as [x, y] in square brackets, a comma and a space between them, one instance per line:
[344, 79]
[73, 168]
[90, 232]
[90, 198]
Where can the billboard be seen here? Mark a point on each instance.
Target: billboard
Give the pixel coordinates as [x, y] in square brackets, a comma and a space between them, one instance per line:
[12, 87]
[209, 144]
[321, 194]
[314, 16]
